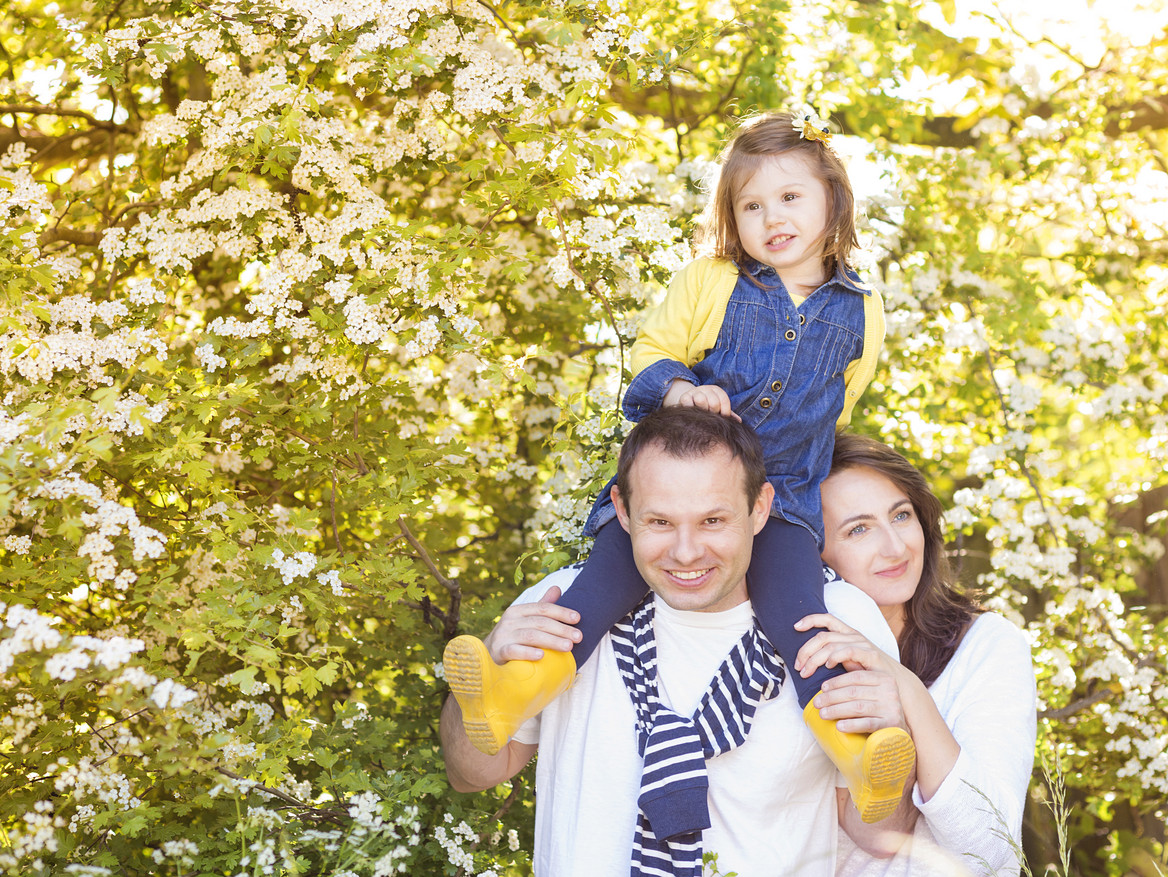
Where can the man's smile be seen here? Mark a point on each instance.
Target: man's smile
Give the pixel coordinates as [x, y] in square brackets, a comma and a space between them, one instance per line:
[689, 575]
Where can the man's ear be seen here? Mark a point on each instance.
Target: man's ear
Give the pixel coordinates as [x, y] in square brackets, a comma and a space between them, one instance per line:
[762, 506]
[622, 513]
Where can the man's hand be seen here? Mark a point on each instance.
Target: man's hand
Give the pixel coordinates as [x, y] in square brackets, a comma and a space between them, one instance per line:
[708, 397]
[526, 629]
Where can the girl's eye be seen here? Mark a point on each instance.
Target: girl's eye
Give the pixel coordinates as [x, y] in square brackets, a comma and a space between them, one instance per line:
[790, 196]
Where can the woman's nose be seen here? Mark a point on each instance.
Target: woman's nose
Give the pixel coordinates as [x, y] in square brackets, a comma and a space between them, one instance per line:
[892, 544]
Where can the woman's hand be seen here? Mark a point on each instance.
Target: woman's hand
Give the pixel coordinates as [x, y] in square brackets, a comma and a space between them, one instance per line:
[867, 697]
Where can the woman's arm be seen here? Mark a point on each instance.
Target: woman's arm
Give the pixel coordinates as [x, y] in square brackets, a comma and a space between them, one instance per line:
[974, 732]
[859, 698]
[987, 696]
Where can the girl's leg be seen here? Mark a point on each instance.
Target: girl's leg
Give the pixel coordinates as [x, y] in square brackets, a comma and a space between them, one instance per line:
[786, 582]
[607, 589]
[496, 699]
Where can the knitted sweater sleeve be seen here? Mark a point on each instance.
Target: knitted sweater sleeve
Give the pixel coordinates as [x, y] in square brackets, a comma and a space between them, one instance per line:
[988, 701]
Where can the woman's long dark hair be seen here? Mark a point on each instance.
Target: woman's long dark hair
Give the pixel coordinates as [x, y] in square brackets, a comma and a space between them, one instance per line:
[938, 613]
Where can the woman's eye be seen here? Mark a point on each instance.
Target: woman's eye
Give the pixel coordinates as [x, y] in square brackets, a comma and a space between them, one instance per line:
[857, 530]
[902, 516]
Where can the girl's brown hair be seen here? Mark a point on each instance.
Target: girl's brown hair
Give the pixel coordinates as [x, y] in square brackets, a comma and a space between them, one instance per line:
[758, 140]
[938, 613]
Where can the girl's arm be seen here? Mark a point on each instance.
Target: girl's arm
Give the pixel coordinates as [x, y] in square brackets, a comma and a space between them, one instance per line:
[676, 333]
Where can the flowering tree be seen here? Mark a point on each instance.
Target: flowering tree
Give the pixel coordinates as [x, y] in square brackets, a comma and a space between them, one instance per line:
[313, 331]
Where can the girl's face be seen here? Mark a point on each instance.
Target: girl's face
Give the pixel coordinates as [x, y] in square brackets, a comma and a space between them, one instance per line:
[873, 538]
[780, 215]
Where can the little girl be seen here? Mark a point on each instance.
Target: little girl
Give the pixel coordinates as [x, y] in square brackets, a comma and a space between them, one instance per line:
[773, 327]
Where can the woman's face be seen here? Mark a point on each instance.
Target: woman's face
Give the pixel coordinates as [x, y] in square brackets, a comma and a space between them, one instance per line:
[873, 538]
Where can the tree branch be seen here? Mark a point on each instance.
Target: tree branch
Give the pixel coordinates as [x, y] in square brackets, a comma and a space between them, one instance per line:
[335, 816]
[37, 110]
[69, 235]
[1076, 707]
[450, 585]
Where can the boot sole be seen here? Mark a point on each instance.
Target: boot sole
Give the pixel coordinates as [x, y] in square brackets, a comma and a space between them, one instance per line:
[464, 660]
[888, 760]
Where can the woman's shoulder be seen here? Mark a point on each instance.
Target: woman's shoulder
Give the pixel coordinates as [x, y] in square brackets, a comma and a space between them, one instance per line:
[993, 649]
[992, 631]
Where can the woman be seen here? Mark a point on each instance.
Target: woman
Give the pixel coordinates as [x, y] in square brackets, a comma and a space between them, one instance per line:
[964, 688]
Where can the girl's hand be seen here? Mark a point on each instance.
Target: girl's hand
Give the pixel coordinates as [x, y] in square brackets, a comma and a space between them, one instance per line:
[708, 397]
[867, 697]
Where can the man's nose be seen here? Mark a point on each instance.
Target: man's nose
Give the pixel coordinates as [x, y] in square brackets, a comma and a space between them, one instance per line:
[686, 546]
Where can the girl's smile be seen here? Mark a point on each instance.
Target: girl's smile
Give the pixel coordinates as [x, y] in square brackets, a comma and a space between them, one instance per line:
[781, 215]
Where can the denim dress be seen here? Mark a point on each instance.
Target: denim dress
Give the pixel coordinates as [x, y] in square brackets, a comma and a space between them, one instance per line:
[783, 368]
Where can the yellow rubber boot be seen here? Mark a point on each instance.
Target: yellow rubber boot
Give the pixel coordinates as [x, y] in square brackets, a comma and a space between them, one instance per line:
[496, 699]
[875, 766]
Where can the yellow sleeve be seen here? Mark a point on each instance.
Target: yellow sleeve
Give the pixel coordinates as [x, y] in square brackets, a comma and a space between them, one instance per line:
[687, 321]
[860, 371]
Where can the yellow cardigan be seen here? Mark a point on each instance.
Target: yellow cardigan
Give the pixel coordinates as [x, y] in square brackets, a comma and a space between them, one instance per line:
[686, 324]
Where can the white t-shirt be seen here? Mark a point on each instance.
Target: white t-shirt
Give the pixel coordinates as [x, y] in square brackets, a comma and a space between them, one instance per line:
[772, 800]
[986, 696]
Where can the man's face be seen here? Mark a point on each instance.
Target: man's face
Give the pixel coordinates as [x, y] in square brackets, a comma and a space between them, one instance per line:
[692, 528]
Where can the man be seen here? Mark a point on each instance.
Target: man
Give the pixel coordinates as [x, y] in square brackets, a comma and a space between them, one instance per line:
[743, 779]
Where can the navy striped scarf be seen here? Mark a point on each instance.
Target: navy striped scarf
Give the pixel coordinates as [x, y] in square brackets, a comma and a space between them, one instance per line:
[673, 805]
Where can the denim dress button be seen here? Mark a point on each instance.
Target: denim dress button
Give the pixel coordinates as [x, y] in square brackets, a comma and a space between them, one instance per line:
[790, 335]
[765, 403]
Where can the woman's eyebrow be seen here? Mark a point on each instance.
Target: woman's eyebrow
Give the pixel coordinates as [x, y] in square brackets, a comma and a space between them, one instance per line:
[864, 516]
[868, 516]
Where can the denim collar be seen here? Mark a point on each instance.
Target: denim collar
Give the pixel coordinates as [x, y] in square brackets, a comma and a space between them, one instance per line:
[847, 279]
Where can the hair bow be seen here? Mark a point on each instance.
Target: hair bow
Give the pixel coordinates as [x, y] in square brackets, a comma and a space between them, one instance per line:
[811, 127]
